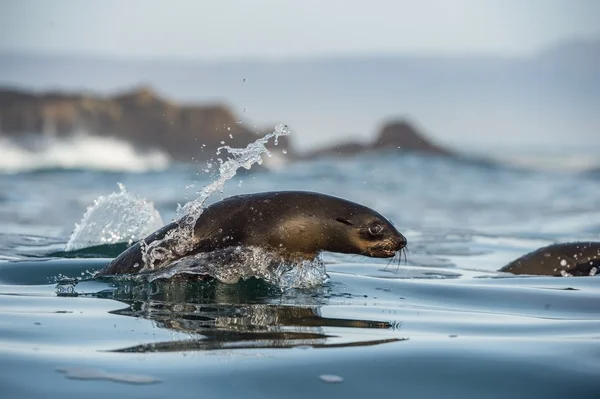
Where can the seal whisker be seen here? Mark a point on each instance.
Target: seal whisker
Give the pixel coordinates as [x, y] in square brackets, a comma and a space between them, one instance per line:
[390, 261]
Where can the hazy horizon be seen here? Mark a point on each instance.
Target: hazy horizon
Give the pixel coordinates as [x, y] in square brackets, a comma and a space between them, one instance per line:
[269, 29]
[536, 52]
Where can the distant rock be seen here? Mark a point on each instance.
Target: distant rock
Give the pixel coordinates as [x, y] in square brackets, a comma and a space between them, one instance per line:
[185, 132]
[140, 116]
[403, 136]
[399, 135]
[340, 150]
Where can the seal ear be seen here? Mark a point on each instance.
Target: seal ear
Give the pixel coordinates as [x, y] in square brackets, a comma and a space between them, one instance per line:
[344, 221]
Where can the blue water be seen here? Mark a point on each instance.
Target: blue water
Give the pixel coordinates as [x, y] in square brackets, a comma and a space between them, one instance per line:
[443, 324]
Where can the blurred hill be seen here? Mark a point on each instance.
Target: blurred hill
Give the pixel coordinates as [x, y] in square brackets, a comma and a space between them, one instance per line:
[139, 116]
[143, 118]
[394, 136]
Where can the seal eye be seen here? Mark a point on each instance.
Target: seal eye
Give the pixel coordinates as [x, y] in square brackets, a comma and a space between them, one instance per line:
[375, 229]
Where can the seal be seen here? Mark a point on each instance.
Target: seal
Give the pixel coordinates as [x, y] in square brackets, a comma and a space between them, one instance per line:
[296, 225]
[565, 259]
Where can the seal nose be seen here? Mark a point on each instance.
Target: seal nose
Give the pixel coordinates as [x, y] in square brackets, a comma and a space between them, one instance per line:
[401, 241]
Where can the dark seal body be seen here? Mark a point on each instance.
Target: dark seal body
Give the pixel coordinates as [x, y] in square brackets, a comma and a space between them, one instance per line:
[294, 224]
[567, 259]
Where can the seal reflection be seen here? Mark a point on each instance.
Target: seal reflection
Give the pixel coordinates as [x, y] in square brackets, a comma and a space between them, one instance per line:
[247, 315]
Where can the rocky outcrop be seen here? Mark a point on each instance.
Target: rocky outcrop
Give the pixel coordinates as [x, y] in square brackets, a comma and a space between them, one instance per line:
[140, 116]
[186, 132]
[403, 136]
[394, 136]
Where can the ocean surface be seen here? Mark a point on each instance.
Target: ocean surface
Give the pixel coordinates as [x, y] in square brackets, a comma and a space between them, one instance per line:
[443, 323]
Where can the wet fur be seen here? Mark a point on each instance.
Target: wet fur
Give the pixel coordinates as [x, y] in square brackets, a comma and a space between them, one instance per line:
[579, 260]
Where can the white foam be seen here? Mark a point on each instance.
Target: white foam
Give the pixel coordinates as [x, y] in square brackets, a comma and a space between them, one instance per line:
[241, 263]
[81, 151]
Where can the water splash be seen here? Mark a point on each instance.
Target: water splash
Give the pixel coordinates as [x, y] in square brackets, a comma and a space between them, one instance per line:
[230, 265]
[115, 218]
[241, 158]
[180, 241]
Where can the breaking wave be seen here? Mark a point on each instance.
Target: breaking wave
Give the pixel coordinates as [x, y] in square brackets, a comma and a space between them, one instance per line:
[77, 152]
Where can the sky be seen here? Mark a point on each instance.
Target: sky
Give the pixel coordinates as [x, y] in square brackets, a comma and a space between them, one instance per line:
[229, 29]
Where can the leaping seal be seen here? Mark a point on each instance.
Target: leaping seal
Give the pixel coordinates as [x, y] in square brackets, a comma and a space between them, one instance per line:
[293, 224]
